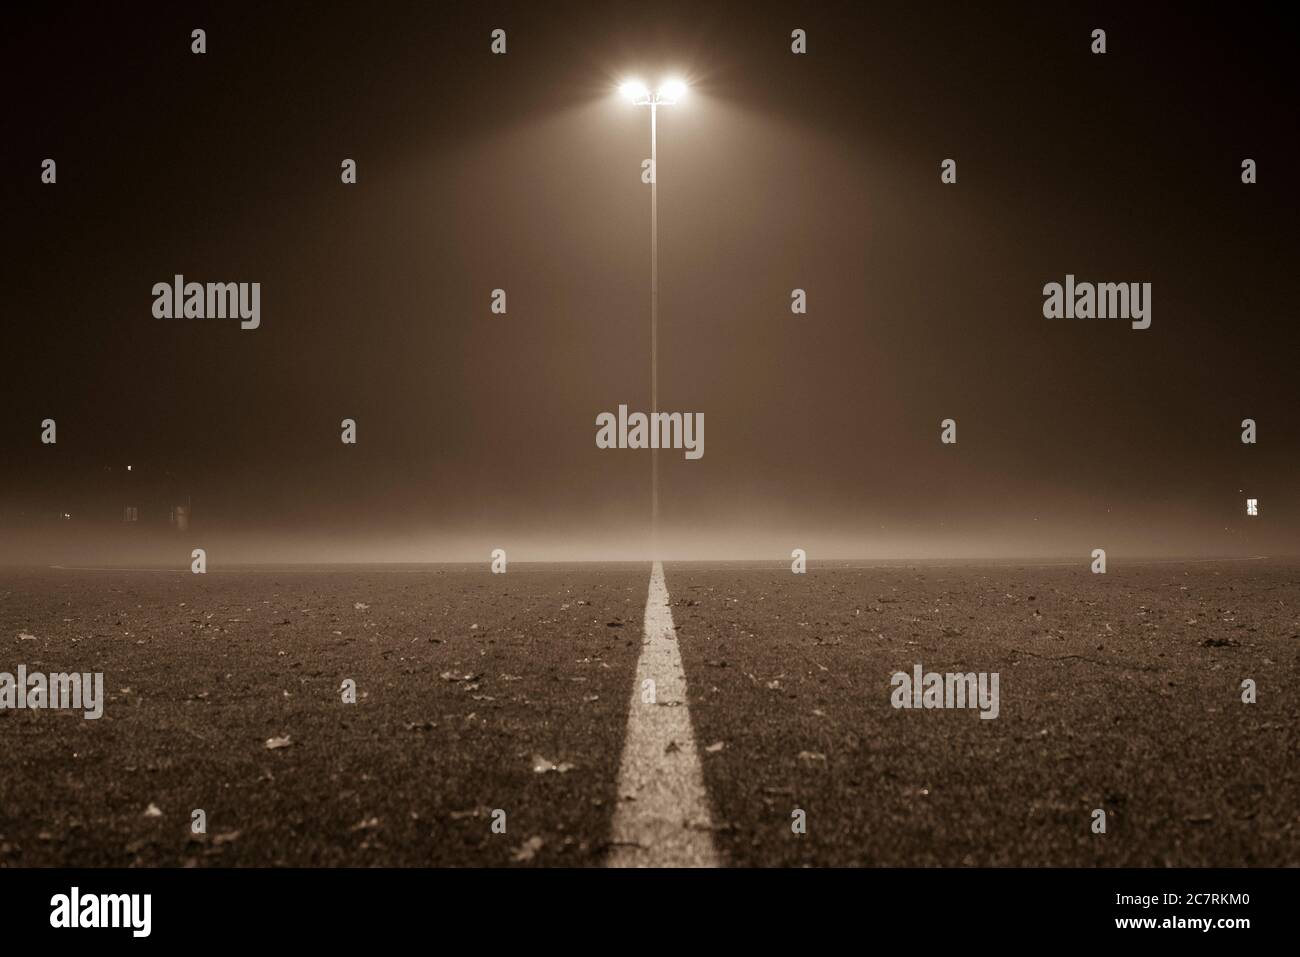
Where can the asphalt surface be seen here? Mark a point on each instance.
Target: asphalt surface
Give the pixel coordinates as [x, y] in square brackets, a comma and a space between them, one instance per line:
[1117, 691]
[478, 692]
[467, 683]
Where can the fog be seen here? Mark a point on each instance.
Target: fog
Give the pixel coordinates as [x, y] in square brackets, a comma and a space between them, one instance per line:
[521, 172]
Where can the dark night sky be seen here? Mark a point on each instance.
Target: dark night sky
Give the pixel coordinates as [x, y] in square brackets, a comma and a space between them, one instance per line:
[780, 171]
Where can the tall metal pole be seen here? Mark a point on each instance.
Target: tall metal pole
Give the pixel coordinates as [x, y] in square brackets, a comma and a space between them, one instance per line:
[654, 322]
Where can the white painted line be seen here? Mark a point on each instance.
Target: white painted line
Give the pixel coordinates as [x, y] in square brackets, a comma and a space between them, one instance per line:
[662, 818]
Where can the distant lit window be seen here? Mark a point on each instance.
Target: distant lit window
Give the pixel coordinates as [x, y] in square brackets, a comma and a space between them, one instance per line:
[1252, 506]
[130, 514]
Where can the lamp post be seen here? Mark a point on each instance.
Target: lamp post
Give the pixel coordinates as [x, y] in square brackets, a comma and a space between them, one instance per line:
[637, 93]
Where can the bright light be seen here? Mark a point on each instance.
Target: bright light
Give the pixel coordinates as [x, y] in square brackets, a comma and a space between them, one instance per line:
[634, 91]
[672, 90]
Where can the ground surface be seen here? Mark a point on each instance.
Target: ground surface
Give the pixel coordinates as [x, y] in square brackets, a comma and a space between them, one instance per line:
[1118, 691]
[479, 692]
[464, 680]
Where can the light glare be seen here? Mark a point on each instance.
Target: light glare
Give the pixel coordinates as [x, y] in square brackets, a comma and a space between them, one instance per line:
[672, 90]
[634, 90]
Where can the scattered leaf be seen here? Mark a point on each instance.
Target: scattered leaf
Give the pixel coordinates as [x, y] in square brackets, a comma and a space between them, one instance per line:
[542, 766]
[528, 850]
[476, 812]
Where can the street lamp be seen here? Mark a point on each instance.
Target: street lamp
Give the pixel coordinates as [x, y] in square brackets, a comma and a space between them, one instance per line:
[638, 94]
